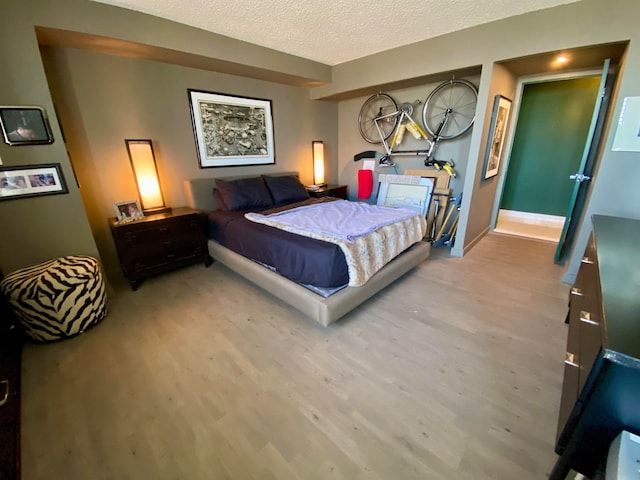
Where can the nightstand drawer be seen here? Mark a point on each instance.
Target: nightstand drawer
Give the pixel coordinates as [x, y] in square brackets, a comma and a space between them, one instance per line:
[157, 233]
[339, 191]
[160, 254]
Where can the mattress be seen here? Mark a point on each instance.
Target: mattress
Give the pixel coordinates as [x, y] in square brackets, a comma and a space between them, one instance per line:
[304, 260]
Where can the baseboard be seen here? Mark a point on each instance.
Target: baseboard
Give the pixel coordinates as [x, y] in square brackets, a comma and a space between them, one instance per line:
[530, 218]
[461, 252]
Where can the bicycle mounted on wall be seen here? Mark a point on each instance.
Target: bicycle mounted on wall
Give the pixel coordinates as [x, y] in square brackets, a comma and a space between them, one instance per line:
[449, 112]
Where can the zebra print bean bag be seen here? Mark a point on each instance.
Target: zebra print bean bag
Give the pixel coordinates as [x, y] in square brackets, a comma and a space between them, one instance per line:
[58, 298]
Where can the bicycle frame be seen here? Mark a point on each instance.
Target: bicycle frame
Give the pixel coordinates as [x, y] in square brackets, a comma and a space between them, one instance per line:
[405, 117]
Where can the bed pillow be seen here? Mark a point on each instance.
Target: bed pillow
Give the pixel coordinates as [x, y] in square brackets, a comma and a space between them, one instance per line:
[244, 194]
[285, 189]
[219, 199]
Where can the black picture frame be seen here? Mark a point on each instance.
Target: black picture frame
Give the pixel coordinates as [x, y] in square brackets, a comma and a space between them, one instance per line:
[31, 181]
[231, 130]
[25, 125]
[497, 134]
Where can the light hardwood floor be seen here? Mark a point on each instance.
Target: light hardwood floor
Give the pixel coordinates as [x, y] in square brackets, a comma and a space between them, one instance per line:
[453, 372]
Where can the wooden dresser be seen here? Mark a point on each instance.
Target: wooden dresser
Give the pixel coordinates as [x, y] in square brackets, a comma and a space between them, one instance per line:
[601, 387]
[158, 243]
[10, 366]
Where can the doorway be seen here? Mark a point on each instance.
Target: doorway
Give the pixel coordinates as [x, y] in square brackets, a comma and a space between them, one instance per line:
[552, 126]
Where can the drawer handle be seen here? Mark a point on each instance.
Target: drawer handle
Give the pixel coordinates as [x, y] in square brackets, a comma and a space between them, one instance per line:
[587, 260]
[576, 291]
[585, 317]
[5, 398]
[571, 359]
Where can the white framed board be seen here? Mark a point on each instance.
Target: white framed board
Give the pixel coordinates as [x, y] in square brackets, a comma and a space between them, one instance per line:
[406, 191]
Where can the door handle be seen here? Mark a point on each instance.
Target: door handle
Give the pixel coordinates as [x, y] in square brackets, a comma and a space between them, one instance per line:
[580, 177]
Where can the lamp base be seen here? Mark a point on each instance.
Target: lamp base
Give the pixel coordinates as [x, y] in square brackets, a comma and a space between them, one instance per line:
[155, 211]
[317, 186]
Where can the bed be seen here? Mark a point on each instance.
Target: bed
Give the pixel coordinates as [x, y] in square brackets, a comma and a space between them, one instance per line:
[322, 307]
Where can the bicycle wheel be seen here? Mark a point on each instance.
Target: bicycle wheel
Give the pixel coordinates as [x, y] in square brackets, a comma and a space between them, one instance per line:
[454, 99]
[377, 106]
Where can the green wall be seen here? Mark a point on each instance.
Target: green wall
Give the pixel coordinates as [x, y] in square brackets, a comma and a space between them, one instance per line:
[549, 141]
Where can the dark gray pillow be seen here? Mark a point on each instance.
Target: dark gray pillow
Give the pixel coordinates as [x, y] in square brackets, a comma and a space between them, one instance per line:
[244, 194]
[219, 199]
[285, 189]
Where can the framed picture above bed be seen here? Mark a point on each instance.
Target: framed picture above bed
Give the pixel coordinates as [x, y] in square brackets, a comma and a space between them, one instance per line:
[231, 130]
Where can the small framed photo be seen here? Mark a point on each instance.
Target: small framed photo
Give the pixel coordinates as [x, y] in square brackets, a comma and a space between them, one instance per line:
[31, 181]
[128, 211]
[25, 126]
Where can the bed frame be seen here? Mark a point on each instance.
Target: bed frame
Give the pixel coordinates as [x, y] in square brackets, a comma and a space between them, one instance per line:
[323, 310]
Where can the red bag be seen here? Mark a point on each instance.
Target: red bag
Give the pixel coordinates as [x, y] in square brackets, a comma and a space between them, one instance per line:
[365, 183]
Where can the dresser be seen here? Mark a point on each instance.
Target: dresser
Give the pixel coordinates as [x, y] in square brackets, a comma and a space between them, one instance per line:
[161, 242]
[10, 363]
[601, 386]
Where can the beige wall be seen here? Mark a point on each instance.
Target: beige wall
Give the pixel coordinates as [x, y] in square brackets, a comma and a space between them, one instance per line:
[477, 214]
[584, 23]
[106, 99]
[351, 140]
[34, 229]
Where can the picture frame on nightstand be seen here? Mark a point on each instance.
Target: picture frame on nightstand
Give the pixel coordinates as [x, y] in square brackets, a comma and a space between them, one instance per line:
[128, 211]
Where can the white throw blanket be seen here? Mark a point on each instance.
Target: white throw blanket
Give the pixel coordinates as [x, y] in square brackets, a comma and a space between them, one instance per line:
[368, 245]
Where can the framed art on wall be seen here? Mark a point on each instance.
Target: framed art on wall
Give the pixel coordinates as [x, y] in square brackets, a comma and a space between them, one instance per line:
[231, 130]
[497, 131]
[25, 126]
[31, 181]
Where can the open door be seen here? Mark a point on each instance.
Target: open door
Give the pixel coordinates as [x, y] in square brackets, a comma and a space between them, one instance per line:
[582, 177]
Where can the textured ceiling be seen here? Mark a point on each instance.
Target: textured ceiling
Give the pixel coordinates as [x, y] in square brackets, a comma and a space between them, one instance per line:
[334, 31]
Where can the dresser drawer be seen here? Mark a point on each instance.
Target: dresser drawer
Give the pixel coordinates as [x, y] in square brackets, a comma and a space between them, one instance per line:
[604, 333]
[584, 338]
[590, 320]
[10, 370]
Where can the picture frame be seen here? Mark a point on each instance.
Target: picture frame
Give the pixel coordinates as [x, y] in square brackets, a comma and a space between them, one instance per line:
[404, 191]
[28, 125]
[31, 181]
[231, 130]
[128, 211]
[497, 134]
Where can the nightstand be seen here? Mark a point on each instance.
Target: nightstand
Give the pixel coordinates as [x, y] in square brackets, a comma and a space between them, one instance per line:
[161, 242]
[339, 191]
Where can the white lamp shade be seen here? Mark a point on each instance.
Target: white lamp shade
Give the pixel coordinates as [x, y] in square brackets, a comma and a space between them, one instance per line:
[318, 162]
[145, 173]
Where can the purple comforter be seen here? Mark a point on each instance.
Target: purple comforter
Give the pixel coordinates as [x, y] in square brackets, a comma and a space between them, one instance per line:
[341, 219]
